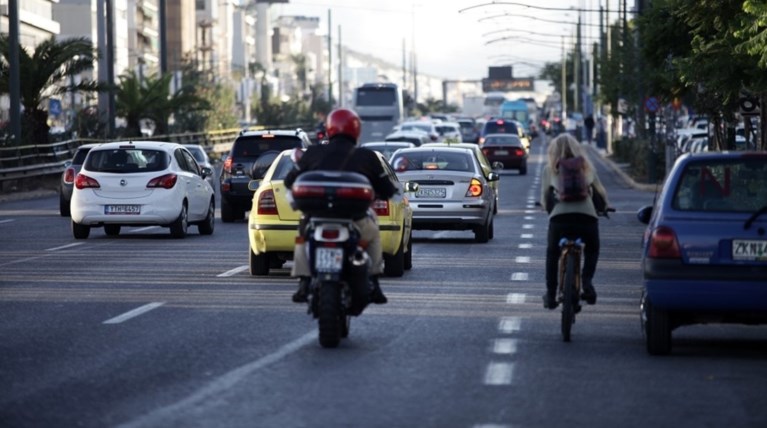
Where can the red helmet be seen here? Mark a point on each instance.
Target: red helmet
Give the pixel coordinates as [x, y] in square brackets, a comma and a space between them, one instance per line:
[343, 121]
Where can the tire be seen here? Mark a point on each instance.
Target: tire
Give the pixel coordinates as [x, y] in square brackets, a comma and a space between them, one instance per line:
[482, 232]
[346, 327]
[492, 229]
[64, 206]
[394, 265]
[409, 254]
[227, 211]
[657, 329]
[523, 170]
[330, 319]
[80, 231]
[569, 296]
[179, 227]
[112, 229]
[206, 226]
[259, 263]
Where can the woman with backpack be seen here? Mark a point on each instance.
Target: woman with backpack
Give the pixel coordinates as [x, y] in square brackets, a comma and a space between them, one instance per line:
[567, 186]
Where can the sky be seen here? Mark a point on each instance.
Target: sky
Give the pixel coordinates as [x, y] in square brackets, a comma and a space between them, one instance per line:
[457, 39]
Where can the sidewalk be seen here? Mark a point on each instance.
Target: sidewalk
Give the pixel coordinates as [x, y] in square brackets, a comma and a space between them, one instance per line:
[600, 155]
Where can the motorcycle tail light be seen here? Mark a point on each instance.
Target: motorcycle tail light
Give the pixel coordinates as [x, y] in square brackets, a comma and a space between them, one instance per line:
[331, 234]
[475, 188]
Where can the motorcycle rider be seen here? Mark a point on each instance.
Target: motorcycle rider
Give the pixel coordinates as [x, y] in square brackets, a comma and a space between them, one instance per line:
[341, 154]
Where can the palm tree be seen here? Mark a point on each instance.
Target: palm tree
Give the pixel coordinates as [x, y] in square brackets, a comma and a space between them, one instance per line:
[46, 72]
[151, 99]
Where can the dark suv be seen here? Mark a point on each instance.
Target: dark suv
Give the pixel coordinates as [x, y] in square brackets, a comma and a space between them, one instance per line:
[498, 126]
[252, 150]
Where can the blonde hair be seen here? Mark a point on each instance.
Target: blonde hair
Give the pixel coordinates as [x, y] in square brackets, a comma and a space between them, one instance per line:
[565, 146]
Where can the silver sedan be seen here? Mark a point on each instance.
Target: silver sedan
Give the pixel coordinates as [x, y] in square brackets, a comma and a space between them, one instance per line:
[453, 192]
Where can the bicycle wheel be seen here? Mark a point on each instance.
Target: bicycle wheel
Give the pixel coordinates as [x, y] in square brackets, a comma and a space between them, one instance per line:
[568, 295]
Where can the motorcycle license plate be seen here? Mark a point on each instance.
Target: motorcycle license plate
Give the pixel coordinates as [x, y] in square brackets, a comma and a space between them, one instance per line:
[329, 259]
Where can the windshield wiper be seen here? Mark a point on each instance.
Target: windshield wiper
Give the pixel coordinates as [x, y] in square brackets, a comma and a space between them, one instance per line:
[754, 216]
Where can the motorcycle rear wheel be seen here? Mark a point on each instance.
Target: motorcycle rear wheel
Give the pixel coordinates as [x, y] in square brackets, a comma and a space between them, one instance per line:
[331, 318]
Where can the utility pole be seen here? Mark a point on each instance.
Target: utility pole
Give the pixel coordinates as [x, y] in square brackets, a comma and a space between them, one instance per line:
[15, 78]
[330, 59]
[577, 68]
[340, 71]
[564, 82]
[163, 37]
[110, 32]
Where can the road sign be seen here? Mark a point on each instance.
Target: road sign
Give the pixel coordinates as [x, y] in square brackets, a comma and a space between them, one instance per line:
[54, 106]
[651, 104]
[748, 106]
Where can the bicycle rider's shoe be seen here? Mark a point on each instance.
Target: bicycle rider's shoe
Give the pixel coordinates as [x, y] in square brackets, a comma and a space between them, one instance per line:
[589, 294]
[550, 300]
[301, 295]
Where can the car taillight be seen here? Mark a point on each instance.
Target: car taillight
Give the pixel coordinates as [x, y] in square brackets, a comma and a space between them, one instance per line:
[85, 182]
[486, 152]
[381, 208]
[481, 140]
[166, 181]
[266, 203]
[519, 152]
[663, 244]
[69, 175]
[475, 188]
[228, 165]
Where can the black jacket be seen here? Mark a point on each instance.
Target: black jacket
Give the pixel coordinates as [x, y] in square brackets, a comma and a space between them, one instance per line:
[341, 154]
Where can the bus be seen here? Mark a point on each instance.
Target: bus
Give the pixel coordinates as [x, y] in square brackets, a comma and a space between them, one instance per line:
[493, 101]
[517, 110]
[379, 106]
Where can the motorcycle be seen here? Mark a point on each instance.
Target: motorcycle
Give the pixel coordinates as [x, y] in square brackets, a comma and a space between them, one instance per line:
[340, 286]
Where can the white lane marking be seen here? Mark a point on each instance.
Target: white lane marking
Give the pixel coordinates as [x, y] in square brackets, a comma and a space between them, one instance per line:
[515, 298]
[509, 324]
[530, 211]
[522, 259]
[7, 221]
[74, 244]
[526, 236]
[499, 373]
[134, 313]
[232, 272]
[530, 206]
[164, 415]
[525, 246]
[529, 217]
[143, 229]
[504, 346]
[492, 426]
[528, 226]
[519, 276]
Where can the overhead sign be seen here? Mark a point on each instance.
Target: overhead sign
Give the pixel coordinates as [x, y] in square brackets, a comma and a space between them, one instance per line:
[508, 85]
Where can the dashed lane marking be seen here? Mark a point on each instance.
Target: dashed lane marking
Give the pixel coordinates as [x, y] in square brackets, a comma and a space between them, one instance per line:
[134, 313]
[499, 373]
[232, 272]
[504, 346]
[74, 244]
[526, 236]
[7, 221]
[515, 298]
[528, 226]
[519, 276]
[509, 324]
[522, 259]
[142, 229]
[525, 246]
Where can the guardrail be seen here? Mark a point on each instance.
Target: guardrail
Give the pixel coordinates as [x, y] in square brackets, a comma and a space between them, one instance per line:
[19, 162]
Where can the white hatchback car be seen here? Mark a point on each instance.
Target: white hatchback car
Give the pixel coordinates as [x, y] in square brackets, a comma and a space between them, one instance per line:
[142, 183]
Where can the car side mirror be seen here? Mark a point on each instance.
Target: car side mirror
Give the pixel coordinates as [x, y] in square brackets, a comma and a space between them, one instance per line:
[67, 164]
[205, 172]
[497, 165]
[493, 176]
[253, 185]
[644, 214]
[411, 186]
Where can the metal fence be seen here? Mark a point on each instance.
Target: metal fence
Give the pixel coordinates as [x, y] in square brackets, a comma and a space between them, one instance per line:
[18, 162]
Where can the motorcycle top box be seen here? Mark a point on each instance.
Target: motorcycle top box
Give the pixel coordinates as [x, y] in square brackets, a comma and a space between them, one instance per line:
[333, 194]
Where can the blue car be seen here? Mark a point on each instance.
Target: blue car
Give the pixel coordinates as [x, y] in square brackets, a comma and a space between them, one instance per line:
[704, 254]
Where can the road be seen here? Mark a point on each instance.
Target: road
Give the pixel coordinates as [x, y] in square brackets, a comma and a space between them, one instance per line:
[146, 331]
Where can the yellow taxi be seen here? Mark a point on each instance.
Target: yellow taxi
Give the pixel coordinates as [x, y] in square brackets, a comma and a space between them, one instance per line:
[273, 223]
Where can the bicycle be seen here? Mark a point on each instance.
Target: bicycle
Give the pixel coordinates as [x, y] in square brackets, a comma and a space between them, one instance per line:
[569, 284]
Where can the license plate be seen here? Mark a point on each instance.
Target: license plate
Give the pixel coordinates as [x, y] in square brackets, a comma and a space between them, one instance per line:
[431, 192]
[122, 209]
[749, 250]
[329, 259]
[501, 152]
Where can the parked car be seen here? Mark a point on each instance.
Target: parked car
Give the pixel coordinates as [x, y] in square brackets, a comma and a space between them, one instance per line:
[67, 183]
[387, 148]
[252, 149]
[498, 126]
[417, 137]
[453, 192]
[273, 223]
[142, 183]
[704, 256]
[202, 158]
[506, 149]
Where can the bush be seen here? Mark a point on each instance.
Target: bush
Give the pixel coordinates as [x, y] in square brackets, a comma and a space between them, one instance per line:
[637, 154]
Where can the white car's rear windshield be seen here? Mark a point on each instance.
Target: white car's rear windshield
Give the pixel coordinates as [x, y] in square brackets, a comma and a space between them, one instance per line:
[127, 160]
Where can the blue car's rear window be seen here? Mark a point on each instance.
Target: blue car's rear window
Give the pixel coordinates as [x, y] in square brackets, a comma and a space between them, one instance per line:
[722, 186]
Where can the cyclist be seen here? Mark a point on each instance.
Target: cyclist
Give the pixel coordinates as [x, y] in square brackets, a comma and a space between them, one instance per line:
[341, 153]
[572, 219]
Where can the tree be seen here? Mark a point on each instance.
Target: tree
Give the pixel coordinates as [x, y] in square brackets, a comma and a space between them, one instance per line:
[46, 72]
